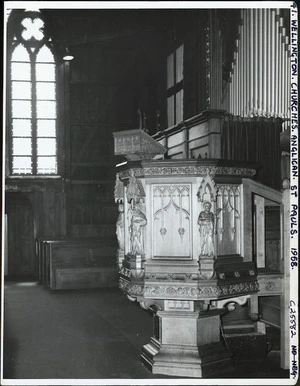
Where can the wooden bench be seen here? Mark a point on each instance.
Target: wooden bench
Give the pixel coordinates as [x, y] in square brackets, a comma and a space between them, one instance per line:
[75, 263]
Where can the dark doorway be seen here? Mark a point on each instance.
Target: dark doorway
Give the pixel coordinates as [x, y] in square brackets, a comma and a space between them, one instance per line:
[20, 236]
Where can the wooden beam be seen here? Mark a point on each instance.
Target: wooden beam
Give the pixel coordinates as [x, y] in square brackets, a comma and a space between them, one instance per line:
[92, 182]
[259, 203]
[93, 164]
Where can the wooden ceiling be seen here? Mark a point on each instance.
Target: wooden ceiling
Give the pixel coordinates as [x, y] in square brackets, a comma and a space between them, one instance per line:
[84, 26]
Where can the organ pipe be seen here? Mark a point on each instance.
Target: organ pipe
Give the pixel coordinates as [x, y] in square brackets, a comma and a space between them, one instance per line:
[276, 64]
[273, 64]
[237, 78]
[255, 62]
[215, 62]
[260, 74]
[259, 80]
[270, 66]
[247, 49]
[287, 58]
[251, 60]
[243, 70]
[264, 50]
[285, 77]
[280, 70]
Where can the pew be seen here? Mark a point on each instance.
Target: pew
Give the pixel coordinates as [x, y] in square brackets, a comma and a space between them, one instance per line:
[76, 263]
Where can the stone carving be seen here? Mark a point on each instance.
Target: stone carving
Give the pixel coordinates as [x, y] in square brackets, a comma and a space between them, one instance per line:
[120, 232]
[206, 221]
[119, 190]
[178, 305]
[235, 171]
[135, 190]
[120, 227]
[207, 190]
[136, 145]
[172, 276]
[171, 218]
[137, 221]
[136, 218]
[241, 300]
[270, 285]
[137, 266]
[181, 232]
[130, 288]
[239, 288]
[125, 271]
[202, 291]
[163, 231]
[189, 170]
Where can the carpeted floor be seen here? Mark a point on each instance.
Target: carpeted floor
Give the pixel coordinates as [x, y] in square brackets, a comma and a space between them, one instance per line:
[85, 334]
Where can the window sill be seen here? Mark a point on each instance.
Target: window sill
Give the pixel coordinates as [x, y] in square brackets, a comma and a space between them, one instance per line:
[35, 177]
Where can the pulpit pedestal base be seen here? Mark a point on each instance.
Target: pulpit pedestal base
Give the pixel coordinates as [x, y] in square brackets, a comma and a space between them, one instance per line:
[191, 362]
[187, 345]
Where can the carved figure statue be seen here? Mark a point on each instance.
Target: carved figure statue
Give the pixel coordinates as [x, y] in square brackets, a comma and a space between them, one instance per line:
[120, 227]
[137, 222]
[206, 222]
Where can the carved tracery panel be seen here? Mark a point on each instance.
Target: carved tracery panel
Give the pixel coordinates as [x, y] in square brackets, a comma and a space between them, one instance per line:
[171, 214]
[228, 220]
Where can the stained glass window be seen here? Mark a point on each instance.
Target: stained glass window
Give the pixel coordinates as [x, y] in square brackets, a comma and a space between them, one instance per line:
[33, 98]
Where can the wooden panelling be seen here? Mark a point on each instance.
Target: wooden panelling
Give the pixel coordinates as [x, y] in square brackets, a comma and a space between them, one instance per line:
[21, 258]
[270, 310]
[198, 131]
[270, 284]
[89, 230]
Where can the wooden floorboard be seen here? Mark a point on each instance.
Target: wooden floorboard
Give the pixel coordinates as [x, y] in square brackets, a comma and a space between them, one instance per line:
[85, 334]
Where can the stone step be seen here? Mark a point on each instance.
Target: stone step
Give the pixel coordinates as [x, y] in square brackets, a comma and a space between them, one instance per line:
[238, 328]
[247, 345]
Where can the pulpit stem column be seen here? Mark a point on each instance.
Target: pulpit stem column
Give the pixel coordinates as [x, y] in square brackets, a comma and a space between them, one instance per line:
[187, 342]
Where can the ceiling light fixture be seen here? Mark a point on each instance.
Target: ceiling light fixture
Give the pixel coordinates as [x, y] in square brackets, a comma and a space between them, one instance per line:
[68, 56]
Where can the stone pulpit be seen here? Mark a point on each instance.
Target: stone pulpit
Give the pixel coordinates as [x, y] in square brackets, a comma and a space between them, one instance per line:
[180, 232]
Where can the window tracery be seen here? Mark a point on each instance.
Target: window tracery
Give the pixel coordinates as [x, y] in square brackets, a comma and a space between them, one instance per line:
[33, 106]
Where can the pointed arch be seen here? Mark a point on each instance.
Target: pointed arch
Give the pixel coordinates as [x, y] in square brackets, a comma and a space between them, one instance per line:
[33, 107]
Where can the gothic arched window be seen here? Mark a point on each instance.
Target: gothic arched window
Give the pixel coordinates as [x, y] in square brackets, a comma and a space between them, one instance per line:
[33, 112]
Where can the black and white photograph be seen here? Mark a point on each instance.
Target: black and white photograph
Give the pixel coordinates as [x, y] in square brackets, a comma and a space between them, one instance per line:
[149, 193]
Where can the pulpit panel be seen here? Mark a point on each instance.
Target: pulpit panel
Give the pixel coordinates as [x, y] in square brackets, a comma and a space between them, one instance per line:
[171, 217]
[228, 220]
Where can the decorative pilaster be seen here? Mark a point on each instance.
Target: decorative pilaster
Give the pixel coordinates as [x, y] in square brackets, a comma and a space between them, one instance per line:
[207, 225]
[120, 225]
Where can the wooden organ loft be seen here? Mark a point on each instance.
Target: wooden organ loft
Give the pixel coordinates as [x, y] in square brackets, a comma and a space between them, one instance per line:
[203, 85]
